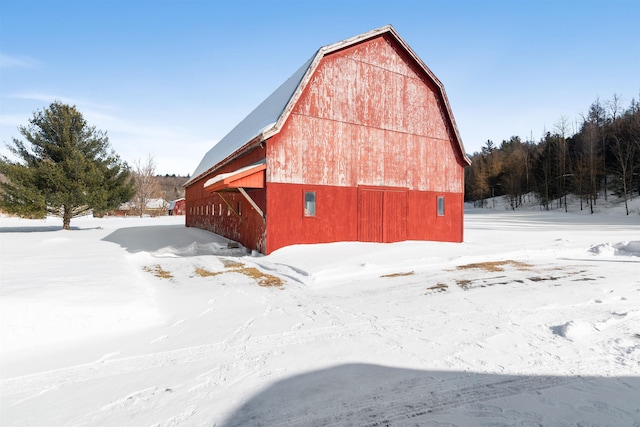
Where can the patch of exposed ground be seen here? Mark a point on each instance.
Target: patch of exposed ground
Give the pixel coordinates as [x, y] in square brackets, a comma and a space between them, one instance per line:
[231, 264]
[157, 271]
[440, 287]
[261, 278]
[478, 275]
[408, 273]
[206, 273]
[494, 266]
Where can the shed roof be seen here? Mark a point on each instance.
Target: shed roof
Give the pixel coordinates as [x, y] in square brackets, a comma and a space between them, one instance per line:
[267, 118]
[248, 176]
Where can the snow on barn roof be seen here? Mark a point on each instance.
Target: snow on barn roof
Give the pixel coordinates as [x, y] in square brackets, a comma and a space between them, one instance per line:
[267, 119]
[255, 124]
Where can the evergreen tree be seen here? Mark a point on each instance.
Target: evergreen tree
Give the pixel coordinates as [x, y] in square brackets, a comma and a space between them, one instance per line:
[66, 168]
[516, 170]
[547, 170]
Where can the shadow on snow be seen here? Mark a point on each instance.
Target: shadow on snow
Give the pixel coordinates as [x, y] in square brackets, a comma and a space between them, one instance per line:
[40, 229]
[172, 240]
[373, 395]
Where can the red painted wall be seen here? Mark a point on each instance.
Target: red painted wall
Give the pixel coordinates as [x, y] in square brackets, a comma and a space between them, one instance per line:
[338, 217]
[423, 211]
[287, 224]
[204, 208]
[368, 117]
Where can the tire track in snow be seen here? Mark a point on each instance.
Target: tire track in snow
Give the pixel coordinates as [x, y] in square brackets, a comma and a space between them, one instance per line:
[423, 398]
[245, 346]
[399, 402]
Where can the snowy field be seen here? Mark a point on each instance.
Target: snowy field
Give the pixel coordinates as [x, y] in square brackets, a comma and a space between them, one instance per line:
[534, 320]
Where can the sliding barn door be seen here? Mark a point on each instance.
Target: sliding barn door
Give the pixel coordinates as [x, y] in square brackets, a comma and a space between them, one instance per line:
[370, 203]
[382, 215]
[394, 217]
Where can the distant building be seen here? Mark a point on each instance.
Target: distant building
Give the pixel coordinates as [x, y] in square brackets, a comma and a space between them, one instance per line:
[177, 207]
[359, 144]
[153, 207]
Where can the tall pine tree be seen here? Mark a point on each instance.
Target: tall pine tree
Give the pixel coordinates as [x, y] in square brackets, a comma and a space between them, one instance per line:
[65, 169]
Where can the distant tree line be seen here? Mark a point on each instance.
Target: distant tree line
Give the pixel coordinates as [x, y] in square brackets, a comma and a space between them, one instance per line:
[602, 157]
[171, 186]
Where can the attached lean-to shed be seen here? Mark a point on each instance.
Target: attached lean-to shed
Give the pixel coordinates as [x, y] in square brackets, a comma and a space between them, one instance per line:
[359, 144]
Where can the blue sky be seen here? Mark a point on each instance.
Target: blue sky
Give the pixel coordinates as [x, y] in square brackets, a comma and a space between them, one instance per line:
[171, 78]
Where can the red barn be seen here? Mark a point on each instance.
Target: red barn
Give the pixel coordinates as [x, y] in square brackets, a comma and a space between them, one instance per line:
[359, 144]
[177, 207]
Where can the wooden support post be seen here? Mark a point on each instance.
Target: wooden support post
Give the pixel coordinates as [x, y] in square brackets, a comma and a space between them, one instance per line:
[250, 200]
[229, 205]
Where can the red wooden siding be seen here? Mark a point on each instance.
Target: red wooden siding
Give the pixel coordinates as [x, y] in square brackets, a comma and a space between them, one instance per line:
[382, 215]
[359, 214]
[368, 117]
[422, 214]
[370, 213]
[287, 225]
[394, 217]
[209, 211]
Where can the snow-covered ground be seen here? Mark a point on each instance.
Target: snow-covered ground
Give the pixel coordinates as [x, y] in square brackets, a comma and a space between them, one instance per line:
[534, 320]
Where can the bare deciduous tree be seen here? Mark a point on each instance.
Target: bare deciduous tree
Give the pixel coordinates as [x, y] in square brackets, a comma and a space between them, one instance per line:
[145, 183]
[562, 129]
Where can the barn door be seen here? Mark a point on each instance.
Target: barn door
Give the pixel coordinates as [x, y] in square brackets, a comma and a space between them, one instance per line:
[382, 215]
[394, 217]
[370, 214]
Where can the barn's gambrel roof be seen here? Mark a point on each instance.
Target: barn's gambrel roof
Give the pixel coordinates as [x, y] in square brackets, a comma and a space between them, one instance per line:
[269, 117]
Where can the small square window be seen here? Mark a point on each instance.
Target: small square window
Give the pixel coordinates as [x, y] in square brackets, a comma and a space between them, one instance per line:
[441, 206]
[309, 203]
